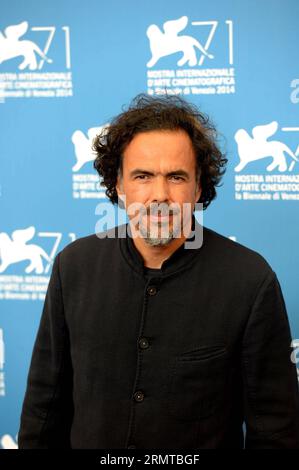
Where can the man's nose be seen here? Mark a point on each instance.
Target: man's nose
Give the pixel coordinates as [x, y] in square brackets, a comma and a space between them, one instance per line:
[160, 189]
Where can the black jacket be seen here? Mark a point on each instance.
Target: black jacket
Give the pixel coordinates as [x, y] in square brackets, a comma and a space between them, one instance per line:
[174, 358]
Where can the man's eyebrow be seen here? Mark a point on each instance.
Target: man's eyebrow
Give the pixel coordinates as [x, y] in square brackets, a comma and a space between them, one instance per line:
[178, 172]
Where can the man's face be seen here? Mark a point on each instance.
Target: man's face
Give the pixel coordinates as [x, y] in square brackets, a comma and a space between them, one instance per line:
[159, 171]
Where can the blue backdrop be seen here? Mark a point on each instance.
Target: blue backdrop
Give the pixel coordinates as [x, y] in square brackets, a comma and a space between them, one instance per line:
[67, 67]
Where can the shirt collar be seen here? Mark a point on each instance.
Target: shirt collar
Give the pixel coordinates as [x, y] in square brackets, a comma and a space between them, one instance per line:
[177, 261]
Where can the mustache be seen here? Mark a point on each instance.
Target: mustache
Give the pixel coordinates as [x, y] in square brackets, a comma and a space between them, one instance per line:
[160, 209]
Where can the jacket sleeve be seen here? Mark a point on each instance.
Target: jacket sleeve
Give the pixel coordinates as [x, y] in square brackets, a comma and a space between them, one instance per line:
[47, 408]
[271, 398]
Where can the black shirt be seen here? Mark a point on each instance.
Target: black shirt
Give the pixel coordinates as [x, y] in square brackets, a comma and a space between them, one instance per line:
[152, 272]
[173, 359]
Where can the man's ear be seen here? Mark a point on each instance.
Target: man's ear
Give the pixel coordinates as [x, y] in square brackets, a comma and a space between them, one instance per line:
[119, 186]
[198, 192]
[120, 192]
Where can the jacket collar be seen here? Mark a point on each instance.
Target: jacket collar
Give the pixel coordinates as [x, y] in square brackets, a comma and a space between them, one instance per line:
[178, 260]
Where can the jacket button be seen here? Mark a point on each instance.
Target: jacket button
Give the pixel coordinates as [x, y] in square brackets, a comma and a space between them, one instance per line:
[152, 290]
[139, 396]
[143, 343]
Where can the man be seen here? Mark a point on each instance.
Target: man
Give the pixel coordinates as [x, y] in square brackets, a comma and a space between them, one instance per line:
[145, 343]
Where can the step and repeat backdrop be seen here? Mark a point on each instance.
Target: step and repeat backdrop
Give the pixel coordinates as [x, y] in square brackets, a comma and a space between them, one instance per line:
[67, 67]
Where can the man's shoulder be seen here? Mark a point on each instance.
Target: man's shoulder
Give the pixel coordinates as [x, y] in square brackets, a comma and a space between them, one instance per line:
[91, 245]
[233, 255]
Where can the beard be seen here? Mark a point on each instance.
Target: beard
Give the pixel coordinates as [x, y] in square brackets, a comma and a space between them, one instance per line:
[160, 232]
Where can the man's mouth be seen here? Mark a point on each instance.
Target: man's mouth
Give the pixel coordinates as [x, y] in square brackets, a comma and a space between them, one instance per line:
[160, 217]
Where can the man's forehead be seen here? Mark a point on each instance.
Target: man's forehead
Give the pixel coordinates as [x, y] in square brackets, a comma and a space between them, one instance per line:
[155, 149]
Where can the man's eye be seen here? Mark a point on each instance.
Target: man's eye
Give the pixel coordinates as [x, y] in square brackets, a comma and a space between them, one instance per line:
[141, 176]
[177, 178]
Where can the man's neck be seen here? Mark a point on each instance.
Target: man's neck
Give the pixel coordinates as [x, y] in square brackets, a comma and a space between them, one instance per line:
[154, 256]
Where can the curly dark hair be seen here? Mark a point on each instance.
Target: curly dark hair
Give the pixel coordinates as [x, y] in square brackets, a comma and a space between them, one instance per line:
[168, 112]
